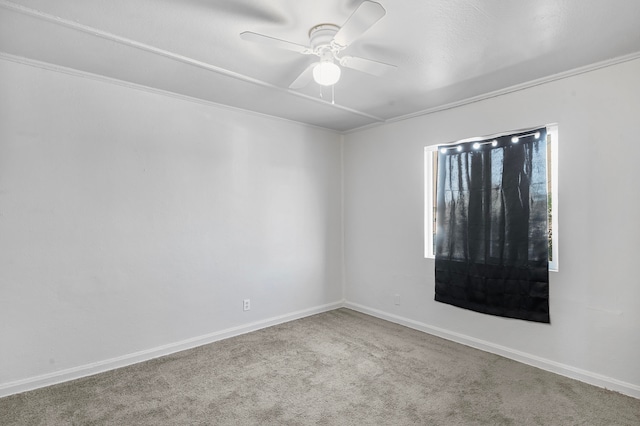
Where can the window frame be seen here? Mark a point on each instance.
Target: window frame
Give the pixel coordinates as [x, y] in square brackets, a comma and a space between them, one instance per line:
[430, 160]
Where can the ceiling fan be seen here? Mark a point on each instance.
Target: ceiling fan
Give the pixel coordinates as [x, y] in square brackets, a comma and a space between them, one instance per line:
[326, 41]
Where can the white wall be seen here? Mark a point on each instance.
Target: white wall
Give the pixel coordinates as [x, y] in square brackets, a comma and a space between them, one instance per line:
[595, 298]
[134, 223]
[132, 220]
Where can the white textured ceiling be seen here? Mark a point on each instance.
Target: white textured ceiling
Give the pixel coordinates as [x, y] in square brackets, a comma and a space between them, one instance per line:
[447, 51]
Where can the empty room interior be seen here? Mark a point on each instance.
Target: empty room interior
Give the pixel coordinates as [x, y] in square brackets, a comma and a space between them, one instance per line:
[176, 175]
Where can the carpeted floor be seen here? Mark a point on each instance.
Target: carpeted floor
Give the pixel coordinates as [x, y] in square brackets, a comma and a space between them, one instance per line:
[335, 368]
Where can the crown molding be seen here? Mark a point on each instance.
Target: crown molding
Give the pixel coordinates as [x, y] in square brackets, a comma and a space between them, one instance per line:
[135, 86]
[511, 89]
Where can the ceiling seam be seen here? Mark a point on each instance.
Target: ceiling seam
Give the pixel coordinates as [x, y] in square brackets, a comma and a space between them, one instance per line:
[171, 55]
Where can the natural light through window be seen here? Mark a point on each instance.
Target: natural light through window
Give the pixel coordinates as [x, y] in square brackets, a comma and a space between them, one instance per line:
[430, 204]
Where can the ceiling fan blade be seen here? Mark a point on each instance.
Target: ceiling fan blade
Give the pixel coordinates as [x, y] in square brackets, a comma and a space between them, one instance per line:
[363, 18]
[304, 78]
[366, 65]
[275, 42]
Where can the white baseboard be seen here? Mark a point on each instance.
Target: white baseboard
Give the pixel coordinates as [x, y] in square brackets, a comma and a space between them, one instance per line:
[56, 377]
[599, 380]
[525, 358]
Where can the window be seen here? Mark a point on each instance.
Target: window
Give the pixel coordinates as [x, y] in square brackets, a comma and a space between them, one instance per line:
[430, 204]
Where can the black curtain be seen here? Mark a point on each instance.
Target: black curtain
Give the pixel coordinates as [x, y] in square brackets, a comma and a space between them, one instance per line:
[492, 250]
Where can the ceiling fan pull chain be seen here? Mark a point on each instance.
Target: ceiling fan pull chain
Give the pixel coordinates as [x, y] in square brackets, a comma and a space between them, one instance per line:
[333, 94]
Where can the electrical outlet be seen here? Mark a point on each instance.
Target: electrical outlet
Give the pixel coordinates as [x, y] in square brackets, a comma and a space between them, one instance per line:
[396, 299]
[246, 304]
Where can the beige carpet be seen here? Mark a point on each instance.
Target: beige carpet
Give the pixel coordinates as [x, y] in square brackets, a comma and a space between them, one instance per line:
[336, 368]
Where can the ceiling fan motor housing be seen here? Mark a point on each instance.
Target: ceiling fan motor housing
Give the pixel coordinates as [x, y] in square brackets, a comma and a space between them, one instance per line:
[321, 36]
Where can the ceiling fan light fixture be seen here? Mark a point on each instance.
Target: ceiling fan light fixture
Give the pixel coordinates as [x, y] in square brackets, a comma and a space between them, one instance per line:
[326, 73]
